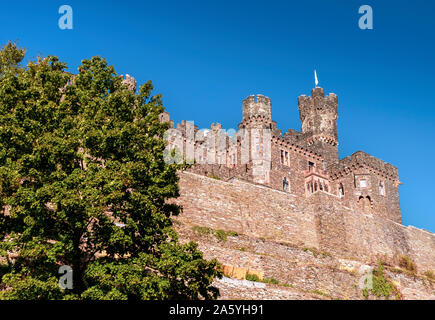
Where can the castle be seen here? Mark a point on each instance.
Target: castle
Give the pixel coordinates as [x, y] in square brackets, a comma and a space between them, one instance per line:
[300, 163]
[285, 207]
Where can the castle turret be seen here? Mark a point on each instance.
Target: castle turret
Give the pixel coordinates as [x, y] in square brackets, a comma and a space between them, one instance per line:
[318, 116]
[254, 134]
[261, 107]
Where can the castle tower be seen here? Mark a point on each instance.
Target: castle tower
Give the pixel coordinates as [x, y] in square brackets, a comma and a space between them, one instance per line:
[318, 116]
[254, 134]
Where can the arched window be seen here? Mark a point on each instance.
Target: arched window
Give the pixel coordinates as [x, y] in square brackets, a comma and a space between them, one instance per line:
[361, 203]
[310, 186]
[365, 204]
[368, 205]
[340, 191]
[285, 184]
[315, 186]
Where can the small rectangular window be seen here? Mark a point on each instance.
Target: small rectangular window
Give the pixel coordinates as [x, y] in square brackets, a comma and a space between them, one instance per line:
[310, 165]
[363, 183]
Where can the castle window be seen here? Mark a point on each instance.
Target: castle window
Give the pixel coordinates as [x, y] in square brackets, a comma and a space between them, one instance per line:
[381, 188]
[315, 186]
[257, 144]
[326, 187]
[310, 165]
[368, 204]
[310, 187]
[341, 191]
[363, 183]
[285, 184]
[361, 203]
[285, 159]
[365, 204]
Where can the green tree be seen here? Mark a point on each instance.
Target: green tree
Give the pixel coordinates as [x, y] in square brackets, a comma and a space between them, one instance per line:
[10, 56]
[83, 183]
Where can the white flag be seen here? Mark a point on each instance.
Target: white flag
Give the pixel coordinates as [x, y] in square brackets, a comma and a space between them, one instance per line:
[316, 81]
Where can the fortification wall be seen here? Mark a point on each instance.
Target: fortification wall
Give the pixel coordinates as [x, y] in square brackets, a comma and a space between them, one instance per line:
[366, 237]
[297, 272]
[318, 221]
[246, 208]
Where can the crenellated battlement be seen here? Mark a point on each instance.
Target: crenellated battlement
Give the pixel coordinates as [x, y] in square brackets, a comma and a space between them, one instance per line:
[254, 106]
[216, 127]
[317, 103]
[187, 129]
[359, 159]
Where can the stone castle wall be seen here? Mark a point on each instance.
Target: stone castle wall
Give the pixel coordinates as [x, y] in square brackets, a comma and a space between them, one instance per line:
[246, 208]
[319, 221]
[298, 272]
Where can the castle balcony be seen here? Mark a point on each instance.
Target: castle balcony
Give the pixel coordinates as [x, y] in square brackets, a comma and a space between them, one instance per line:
[316, 180]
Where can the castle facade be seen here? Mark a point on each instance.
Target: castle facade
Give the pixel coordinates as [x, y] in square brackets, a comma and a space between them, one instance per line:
[300, 163]
[293, 210]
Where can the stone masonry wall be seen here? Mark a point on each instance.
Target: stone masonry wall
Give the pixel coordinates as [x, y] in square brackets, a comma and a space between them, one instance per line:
[246, 208]
[298, 272]
[318, 221]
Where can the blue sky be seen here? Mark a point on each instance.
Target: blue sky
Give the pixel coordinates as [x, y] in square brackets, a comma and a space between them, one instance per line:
[205, 57]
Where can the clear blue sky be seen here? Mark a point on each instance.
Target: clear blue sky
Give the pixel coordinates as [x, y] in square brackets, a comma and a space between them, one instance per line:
[206, 56]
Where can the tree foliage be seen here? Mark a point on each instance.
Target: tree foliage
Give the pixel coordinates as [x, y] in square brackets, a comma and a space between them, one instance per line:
[10, 56]
[83, 183]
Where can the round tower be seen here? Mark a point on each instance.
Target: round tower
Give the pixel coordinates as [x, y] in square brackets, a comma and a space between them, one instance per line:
[255, 138]
[318, 116]
[260, 109]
